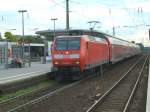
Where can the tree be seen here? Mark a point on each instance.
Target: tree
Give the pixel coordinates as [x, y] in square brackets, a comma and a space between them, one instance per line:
[9, 36]
[31, 39]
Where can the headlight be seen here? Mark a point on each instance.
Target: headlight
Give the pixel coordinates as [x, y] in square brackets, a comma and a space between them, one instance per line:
[56, 63]
[77, 62]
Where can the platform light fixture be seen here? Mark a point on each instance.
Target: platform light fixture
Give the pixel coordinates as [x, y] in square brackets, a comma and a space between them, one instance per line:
[22, 13]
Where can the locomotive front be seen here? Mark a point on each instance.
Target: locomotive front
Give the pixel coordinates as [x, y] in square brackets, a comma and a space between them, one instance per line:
[66, 53]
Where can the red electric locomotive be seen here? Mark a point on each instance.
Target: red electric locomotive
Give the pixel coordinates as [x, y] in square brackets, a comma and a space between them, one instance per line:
[73, 54]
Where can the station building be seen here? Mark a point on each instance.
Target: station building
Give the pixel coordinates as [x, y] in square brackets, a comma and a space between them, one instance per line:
[26, 52]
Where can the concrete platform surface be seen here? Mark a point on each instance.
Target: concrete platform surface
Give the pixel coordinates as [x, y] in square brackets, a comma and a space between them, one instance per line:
[12, 74]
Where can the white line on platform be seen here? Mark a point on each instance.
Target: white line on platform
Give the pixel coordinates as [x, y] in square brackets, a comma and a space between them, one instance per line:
[21, 75]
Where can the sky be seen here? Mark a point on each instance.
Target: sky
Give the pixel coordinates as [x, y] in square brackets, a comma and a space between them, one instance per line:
[131, 18]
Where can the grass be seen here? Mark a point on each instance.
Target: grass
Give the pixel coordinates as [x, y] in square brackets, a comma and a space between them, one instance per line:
[41, 85]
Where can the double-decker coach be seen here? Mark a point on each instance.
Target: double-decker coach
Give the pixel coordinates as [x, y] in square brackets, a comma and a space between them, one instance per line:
[73, 54]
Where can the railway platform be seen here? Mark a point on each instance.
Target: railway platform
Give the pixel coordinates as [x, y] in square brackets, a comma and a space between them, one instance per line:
[14, 74]
[148, 92]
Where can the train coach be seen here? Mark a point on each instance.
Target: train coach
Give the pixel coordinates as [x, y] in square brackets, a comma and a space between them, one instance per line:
[75, 54]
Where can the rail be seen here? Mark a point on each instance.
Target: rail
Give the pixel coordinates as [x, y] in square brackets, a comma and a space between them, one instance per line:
[99, 101]
[135, 86]
[48, 94]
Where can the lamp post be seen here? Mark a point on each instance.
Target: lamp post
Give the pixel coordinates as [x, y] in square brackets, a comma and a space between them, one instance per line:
[44, 53]
[54, 19]
[67, 14]
[22, 12]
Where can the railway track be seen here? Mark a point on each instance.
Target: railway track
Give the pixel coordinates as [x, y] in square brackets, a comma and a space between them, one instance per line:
[26, 106]
[118, 98]
[38, 97]
[13, 102]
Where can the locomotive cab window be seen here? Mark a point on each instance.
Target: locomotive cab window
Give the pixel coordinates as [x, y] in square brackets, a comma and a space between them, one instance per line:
[68, 44]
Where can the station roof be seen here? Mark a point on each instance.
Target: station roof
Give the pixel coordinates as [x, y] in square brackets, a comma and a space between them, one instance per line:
[15, 43]
[63, 32]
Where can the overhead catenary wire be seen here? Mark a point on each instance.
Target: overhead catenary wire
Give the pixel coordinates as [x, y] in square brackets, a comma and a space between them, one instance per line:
[58, 3]
[140, 13]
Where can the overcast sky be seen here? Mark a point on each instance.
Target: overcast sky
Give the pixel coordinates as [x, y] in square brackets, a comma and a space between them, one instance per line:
[109, 13]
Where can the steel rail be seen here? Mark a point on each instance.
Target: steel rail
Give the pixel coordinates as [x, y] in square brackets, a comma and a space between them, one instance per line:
[12, 98]
[91, 109]
[22, 95]
[49, 94]
[135, 86]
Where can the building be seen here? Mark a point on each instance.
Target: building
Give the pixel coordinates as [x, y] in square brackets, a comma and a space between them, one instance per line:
[32, 52]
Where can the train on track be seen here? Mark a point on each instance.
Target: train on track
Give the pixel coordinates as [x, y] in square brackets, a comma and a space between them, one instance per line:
[77, 51]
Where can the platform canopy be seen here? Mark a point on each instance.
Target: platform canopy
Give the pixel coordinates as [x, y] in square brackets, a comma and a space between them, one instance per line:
[50, 33]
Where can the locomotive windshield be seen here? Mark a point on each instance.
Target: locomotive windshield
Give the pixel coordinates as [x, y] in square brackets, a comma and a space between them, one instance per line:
[68, 43]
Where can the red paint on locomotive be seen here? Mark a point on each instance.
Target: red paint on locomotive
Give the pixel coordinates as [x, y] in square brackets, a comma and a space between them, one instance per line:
[86, 51]
[92, 52]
